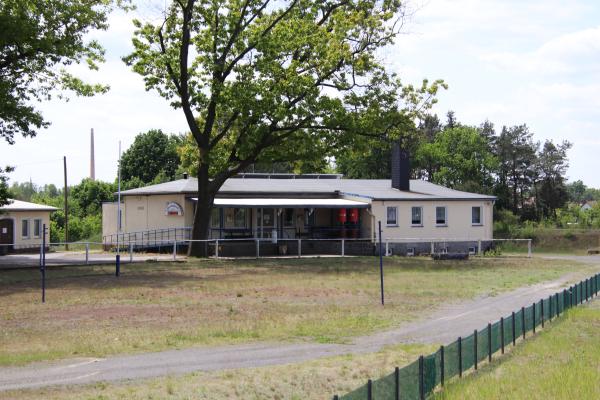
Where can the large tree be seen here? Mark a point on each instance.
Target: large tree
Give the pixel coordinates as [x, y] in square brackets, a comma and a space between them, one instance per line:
[462, 158]
[552, 164]
[261, 80]
[39, 39]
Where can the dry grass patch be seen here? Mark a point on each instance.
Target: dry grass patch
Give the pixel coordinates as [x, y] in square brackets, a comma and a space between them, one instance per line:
[153, 307]
[318, 379]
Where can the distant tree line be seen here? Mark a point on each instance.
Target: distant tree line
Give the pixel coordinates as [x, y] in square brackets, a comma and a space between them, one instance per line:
[528, 177]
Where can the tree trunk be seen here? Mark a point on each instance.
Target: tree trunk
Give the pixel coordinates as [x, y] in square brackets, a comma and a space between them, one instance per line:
[200, 230]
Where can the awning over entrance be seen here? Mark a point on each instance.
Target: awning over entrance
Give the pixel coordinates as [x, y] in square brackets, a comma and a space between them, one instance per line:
[287, 203]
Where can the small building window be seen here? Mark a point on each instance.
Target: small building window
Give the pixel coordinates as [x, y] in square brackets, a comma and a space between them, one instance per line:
[288, 217]
[441, 217]
[37, 228]
[417, 216]
[392, 216]
[25, 229]
[215, 218]
[239, 217]
[476, 215]
[173, 209]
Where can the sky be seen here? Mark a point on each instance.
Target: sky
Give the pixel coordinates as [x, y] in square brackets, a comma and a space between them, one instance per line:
[534, 62]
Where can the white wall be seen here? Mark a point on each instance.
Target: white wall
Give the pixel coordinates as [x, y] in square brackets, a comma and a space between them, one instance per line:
[31, 216]
[458, 225]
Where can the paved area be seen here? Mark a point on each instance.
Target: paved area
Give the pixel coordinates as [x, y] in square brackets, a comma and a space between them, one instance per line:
[444, 326]
[64, 258]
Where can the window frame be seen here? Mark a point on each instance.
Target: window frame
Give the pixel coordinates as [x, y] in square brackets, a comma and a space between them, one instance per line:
[38, 222]
[445, 223]
[25, 223]
[387, 216]
[480, 223]
[412, 221]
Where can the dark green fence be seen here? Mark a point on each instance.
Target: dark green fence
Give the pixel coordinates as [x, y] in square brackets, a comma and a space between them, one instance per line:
[419, 379]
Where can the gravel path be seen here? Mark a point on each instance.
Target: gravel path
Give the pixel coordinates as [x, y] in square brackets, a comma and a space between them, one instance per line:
[443, 326]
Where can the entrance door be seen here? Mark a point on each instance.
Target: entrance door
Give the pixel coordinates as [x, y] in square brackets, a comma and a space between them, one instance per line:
[6, 235]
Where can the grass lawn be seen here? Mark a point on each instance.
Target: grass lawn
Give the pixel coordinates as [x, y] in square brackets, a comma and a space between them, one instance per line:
[158, 306]
[561, 362]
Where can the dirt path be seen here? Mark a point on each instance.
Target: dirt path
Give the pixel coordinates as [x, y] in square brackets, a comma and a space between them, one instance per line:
[443, 326]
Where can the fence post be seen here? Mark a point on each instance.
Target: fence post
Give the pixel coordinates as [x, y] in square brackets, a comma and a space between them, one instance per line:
[479, 248]
[397, 382]
[87, 253]
[130, 252]
[442, 363]
[459, 356]
[175, 250]
[489, 342]
[502, 334]
[387, 247]
[217, 249]
[299, 248]
[342, 247]
[432, 247]
[557, 306]
[533, 319]
[421, 380]
[370, 389]
[514, 337]
[257, 248]
[529, 248]
[542, 311]
[587, 285]
[523, 321]
[475, 349]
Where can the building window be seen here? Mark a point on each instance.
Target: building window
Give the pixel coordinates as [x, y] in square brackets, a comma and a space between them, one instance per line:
[441, 217]
[288, 217]
[417, 216]
[215, 219]
[239, 217]
[392, 216]
[476, 215]
[37, 228]
[25, 229]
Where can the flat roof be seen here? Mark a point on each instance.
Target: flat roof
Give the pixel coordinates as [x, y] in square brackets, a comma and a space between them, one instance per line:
[18, 205]
[254, 202]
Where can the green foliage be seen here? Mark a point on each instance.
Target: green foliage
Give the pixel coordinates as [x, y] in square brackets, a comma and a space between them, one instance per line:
[88, 196]
[85, 207]
[38, 40]
[264, 82]
[463, 159]
[152, 158]
[4, 191]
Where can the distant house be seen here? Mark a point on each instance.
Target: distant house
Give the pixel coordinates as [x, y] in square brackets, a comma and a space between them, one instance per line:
[313, 206]
[588, 205]
[21, 225]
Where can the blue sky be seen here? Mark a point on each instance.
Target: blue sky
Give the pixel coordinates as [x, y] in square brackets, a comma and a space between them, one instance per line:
[512, 62]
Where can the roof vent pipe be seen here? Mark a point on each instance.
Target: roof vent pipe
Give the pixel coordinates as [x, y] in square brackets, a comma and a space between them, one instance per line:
[400, 168]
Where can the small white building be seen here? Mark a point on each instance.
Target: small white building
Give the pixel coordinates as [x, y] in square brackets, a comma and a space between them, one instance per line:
[21, 225]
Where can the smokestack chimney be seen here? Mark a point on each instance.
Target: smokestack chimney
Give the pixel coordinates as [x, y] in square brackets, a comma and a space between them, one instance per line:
[92, 160]
[400, 168]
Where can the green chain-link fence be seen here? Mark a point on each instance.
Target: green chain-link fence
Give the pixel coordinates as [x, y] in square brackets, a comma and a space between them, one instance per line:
[419, 379]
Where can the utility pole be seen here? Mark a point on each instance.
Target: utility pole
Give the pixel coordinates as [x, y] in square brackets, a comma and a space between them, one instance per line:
[66, 206]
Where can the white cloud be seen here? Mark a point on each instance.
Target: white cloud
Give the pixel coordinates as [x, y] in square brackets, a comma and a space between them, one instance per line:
[576, 52]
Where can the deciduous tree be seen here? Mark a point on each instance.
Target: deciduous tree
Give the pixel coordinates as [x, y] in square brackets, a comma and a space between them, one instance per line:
[260, 80]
